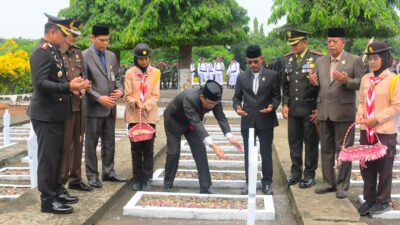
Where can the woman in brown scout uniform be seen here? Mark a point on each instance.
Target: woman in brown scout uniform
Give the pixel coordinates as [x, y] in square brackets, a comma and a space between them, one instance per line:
[142, 73]
[378, 105]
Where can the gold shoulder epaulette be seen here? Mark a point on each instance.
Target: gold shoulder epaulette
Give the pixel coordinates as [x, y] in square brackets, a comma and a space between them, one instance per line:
[316, 52]
[289, 54]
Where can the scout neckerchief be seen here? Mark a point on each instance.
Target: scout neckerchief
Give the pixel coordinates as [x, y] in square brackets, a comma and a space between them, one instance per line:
[370, 105]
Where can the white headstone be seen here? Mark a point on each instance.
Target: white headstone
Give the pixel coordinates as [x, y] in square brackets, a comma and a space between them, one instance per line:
[32, 153]
[252, 188]
[6, 127]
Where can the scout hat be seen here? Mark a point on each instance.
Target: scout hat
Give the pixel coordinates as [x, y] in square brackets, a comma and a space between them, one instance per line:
[377, 47]
[212, 91]
[294, 36]
[62, 24]
[253, 51]
[142, 50]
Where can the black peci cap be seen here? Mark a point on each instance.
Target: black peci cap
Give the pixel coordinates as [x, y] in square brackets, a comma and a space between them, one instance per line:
[212, 91]
[100, 30]
[336, 32]
[253, 51]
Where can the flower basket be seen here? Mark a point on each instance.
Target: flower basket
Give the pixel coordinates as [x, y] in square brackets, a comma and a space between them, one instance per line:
[363, 153]
[141, 132]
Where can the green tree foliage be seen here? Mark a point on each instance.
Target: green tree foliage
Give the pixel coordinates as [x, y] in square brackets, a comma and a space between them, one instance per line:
[361, 18]
[255, 25]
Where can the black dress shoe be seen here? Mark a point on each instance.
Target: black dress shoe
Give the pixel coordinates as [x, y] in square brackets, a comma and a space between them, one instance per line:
[307, 183]
[167, 189]
[267, 189]
[146, 185]
[137, 186]
[365, 207]
[115, 178]
[95, 183]
[210, 191]
[80, 187]
[56, 208]
[65, 198]
[292, 180]
[380, 207]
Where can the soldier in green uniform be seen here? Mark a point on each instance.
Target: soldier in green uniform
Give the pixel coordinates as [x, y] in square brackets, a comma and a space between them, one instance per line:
[298, 105]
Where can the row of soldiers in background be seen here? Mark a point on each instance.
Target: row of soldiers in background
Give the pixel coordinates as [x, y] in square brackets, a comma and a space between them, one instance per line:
[214, 71]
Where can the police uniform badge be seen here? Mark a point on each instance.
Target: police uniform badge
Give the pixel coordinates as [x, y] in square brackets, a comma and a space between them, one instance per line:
[59, 74]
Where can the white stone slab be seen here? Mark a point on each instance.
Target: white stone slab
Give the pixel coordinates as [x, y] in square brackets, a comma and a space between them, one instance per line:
[14, 177]
[220, 163]
[158, 180]
[132, 209]
[361, 182]
[11, 144]
[12, 197]
[226, 149]
[392, 214]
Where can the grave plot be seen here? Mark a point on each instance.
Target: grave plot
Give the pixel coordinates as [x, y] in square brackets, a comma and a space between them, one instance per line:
[220, 178]
[197, 206]
[230, 161]
[12, 191]
[15, 173]
[356, 178]
[394, 213]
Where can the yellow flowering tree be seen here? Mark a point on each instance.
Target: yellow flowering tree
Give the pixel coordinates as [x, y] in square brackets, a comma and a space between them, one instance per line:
[14, 69]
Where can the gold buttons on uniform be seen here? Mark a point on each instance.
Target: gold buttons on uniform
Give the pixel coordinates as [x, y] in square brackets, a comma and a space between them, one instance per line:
[297, 81]
[60, 99]
[295, 89]
[297, 72]
[296, 98]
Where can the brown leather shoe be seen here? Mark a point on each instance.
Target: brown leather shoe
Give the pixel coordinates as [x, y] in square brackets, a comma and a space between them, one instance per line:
[341, 194]
[324, 190]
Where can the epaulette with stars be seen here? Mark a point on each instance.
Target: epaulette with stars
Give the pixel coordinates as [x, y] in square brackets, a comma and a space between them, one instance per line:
[316, 52]
[44, 45]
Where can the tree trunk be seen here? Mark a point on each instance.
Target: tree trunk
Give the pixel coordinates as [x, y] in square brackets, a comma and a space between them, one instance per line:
[185, 77]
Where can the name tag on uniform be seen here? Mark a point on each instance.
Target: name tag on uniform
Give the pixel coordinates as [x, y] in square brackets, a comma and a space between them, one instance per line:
[112, 76]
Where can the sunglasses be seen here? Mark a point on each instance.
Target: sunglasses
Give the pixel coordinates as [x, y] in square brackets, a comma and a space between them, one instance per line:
[255, 61]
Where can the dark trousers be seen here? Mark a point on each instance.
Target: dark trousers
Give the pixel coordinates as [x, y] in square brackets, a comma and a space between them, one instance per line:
[142, 158]
[50, 139]
[73, 143]
[265, 137]
[381, 169]
[332, 135]
[301, 129]
[199, 153]
[103, 128]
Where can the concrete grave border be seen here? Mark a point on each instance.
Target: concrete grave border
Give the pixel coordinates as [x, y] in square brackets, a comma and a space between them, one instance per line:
[217, 163]
[14, 177]
[130, 209]
[12, 197]
[194, 183]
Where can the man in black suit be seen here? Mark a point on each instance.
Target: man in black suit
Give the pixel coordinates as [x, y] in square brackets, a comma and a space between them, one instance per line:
[49, 108]
[257, 96]
[184, 116]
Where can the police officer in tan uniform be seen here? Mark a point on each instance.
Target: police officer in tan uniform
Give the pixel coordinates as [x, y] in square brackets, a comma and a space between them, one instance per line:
[298, 104]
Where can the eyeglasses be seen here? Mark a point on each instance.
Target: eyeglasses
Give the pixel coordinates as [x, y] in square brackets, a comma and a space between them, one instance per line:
[255, 61]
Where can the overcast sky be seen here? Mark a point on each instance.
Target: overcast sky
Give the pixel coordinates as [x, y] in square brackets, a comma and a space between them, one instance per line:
[24, 18]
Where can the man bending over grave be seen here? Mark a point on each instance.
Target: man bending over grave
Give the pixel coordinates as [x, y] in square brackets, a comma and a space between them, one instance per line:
[184, 116]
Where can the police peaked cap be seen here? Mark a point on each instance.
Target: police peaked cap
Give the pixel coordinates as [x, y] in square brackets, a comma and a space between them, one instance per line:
[75, 27]
[212, 90]
[62, 24]
[142, 50]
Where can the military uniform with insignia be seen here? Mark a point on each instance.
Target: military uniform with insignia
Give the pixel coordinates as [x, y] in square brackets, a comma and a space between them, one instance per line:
[301, 99]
